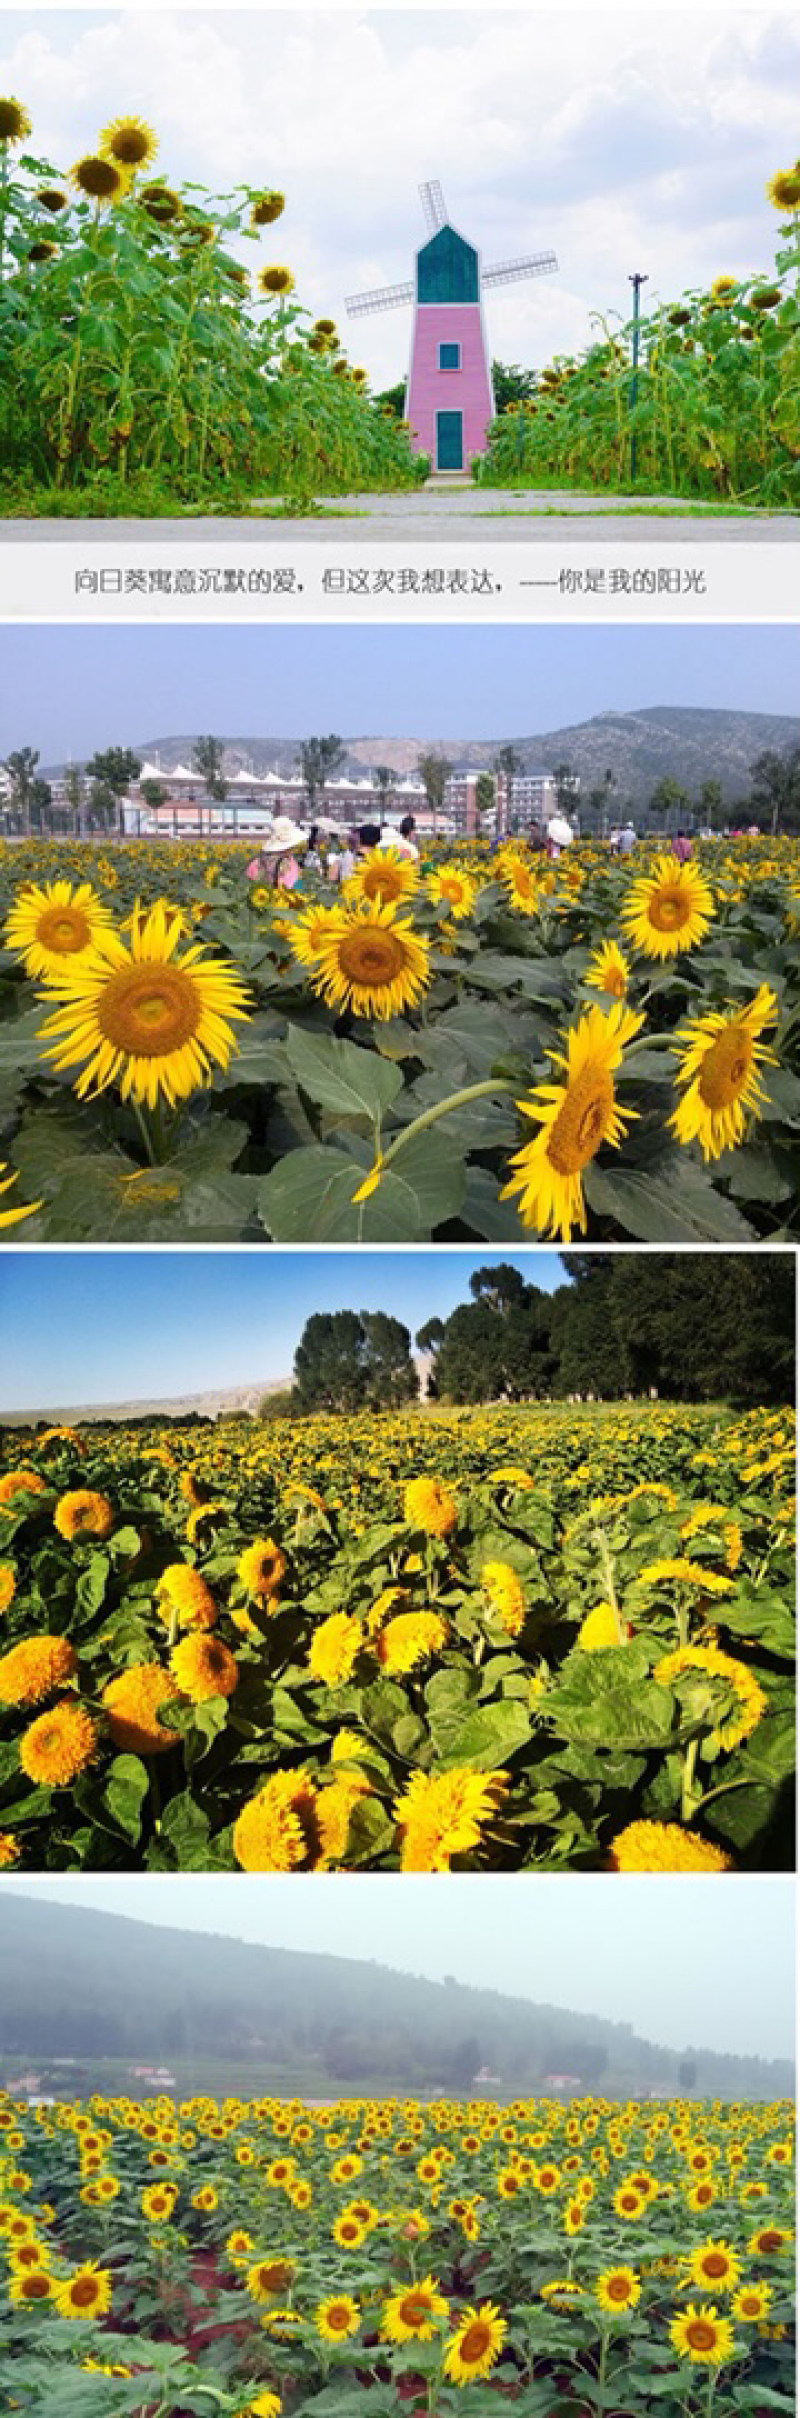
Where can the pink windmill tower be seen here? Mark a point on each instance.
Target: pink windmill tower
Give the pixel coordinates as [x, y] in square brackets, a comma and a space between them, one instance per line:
[449, 398]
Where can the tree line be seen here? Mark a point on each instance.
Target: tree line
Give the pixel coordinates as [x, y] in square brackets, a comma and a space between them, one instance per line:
[692, 1326]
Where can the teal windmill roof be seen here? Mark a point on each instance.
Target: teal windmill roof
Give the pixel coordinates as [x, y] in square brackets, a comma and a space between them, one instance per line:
[447, 269]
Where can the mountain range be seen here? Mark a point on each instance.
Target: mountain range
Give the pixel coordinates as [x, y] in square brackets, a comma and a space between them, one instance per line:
[687, 744]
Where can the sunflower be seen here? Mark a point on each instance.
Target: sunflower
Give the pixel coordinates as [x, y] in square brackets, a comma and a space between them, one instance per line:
[523, 886]
[454, 888]
[333, 1649]
[161, 203]
[349, 2230]
[409, 2316]
[608, 971]
[129, 142]
[15, 123]
[719, 1072]
[8, 1583]
[617, 2289]
[769, 2241]
[629, 2203]
[440, 1815]
[600, 1629]
[410, 1638]
[733, 1676]
[277, 1830]
[783, 190]
[10, 1850]
[506, 1595]
[575, 1118]
[336, 2317]
[100, 180]
[203, 1668]
[373, 964]
[131, 1703]
[261, 1568]
[143, 1016]
[51, 198]
[87, 2293]
[21, 1481]
[32, 2286]
[428, 1505]
[59, 1745]
[83, 1513]
[669, 909]
[265, 208]
[701, 2335]
[34, 1669]
[664, 1847]
[14, 1217]
[51, 925]
[275, 281]
[184, 1598]
[476, 2344]
[751, 2302]
[308, 931]
[384, 877]
[716, 2264]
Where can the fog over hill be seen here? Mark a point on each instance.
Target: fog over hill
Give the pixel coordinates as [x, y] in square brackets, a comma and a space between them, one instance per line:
[688, 744]
[77, 1983]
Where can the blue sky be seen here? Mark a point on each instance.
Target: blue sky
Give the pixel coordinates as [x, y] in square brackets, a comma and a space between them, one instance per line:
[68, 691]
[621, 138]
[688, 1962]
[111, 1326]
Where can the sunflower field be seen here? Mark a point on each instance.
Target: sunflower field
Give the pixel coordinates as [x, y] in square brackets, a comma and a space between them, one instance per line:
[712, 409]
[142, 369]
[540, 1637]
[470, 1048]
[363, 2257]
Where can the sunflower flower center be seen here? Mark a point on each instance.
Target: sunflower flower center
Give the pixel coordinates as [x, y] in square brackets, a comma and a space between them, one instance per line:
[148, 1010]
[84, 2293]
[382, 882]
[701, 2336]
[64, 930]
[725, 1068]
[714, 2265]
[475, 2343]
[371, 957]
[414, 2309]
[338, 2319]
[670, 909]
[582, 1123]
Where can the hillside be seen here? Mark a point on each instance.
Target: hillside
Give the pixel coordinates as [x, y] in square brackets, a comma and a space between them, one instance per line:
[217, 1403]
[77, 1983]
[688, 744]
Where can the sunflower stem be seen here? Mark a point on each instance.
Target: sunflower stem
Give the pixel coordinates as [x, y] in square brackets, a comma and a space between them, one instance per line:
[455, 1099]
[688, 1797]
[145, 1133]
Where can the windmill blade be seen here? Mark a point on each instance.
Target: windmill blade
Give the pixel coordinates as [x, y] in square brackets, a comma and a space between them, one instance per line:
[432, 199]
[382, 298]
[509, 272]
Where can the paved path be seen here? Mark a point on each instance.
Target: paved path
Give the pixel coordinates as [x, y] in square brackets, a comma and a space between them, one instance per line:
[449, 514]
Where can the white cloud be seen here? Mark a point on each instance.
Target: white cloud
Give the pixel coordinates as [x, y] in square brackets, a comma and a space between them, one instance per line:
[619, 142]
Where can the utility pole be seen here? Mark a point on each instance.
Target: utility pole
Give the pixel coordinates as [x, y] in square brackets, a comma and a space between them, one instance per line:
[637, 281]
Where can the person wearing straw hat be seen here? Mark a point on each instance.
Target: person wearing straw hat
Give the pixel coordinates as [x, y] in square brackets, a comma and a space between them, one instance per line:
[276, 864]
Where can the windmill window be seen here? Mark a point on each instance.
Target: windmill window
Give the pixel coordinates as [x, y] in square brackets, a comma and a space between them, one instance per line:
[449, 356]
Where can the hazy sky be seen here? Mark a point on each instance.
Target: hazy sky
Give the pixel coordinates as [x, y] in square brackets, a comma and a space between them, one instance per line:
[605, 135]
[110, 1326]
[688, 1962]
[68, 691]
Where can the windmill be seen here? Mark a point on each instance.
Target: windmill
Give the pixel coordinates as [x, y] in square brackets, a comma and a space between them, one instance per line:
[449, 399]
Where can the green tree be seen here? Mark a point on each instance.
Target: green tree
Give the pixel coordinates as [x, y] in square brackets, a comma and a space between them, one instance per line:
[40, 801]
[384, 779]
[207, 761]
[434, 771]
[390, 1377]
[329, 1372]
[319, 760]
[116, 768]
[154, 793]
[21, 768]
[485, 793]
[75, 795]
[775, 796]
[669, 803]
[511, 385]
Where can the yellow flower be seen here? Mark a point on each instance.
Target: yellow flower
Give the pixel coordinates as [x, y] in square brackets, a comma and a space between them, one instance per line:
[669, 909]
[184, 1599]
[7, 1586]
[600, 1629]
[719, 1062]
[618, 2288]
[374, 964]
[608, 970]
[408, 1639]
[751, 2302]
[476, 2344]
[686, 1574]
[277, 1830]
[100, 180]
[575, 1118]
[409, 2316]
[51, 925]
[86, 2294]
[506, 1595]
[733, 1676]
[453, 886]
[60, 1745]
[203, 1668]
[15, 123]
[428, 1505]
[337, 2317]
[144, 1017]
[131, 1704]
[34, 1669]
[130, 142]
[664, 1847]
[783, 189]
[700, 2335]
[83, 1513]
[384, 876]
[275, 281]
[261, 1568]
[10, 1850]
[333, 1649]
[440, 1815]
[715, 2264]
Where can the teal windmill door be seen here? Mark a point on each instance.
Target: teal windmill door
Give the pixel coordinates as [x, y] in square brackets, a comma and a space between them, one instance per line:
[449, 440]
